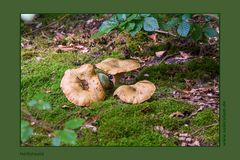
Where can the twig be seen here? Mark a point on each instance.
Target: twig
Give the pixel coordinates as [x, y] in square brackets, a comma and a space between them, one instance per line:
[66, 117]
[43, 124]
[205, 127]
[165, 32]
[50, 24]
[168, 56]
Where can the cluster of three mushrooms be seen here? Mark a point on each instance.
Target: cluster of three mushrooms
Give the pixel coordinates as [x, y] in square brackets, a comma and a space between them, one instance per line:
[83, 86]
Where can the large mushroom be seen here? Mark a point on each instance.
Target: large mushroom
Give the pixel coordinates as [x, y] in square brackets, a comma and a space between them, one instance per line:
[117, 67]
[81, 86]
[137, 93]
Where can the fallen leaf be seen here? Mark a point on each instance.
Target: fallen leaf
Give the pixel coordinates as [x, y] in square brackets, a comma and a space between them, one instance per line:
[160, 54]
[145, 110]
[153, 37]
[183, 134]
[91, 120]
[65, 106]
[195, 143]
[65, 48]
[184, 55]
[177, 114]
[163, 131]
[91, 127]
[82, 48]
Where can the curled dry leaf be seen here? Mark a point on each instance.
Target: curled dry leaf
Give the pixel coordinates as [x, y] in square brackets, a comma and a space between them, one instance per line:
[69, 48]
[163, 131]
[81, 86]
[137, 93]
[91, 127]
[184, 55]
[153, 37]
[160, 54]
[177, 114]
[89, 123]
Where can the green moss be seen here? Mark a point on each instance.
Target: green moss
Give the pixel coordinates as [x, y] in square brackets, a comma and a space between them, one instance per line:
[119, 124]
[39, 140]
[204, 69]
[204, 118]
[141, 45]
[210, 135]
[128, 125]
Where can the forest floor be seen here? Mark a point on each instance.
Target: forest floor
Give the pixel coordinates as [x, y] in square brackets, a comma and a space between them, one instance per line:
[184, 111]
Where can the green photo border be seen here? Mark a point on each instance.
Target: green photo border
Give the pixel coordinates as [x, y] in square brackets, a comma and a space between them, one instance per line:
[10, 79]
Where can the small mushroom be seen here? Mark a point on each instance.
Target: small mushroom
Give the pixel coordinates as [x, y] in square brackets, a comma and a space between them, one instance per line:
[81, 86]
[137, 93]
[117, 67]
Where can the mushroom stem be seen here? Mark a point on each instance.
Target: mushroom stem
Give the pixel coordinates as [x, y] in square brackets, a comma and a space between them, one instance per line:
[116, 80]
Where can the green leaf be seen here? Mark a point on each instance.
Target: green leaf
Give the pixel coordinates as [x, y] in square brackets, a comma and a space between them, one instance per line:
[56, 141]
[150, 24]
[130, 18]
[97, 35]
[43, 105]
[171, 23]
[32, 103]
[145, 15]
[185, 17]
[108, 25]
[24, 124]
[105, 82]
[197, 33]
[66, 136]
[26, 131]
[121, 17]
[136, 29]
[183, 29]
[74, 123]
[130, 26]
[210, 32]
[207, 18]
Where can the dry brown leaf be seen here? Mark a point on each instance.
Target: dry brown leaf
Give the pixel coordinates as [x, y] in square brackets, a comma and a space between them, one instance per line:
[66, 48]
[160, 54]
[184, 55]
[153, 37]
[177, 114]
[163, 131]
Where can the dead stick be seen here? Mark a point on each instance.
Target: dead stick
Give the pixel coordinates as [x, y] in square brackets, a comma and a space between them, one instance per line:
[168, 56]
[165, 32]
[205, 127]
[43, 124]
[50, 24]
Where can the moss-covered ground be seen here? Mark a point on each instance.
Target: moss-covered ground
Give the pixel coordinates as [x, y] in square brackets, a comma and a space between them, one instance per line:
[119, 124]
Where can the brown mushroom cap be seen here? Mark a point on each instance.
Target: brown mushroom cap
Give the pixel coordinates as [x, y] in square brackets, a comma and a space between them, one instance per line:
[137, 93]
[81, 86]
[114, 66]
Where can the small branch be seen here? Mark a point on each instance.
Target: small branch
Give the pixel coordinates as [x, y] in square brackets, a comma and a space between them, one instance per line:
[168, 56]
[205, 127]
[165, 32]
[50, 24]
[43, 124]
[67, 117]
